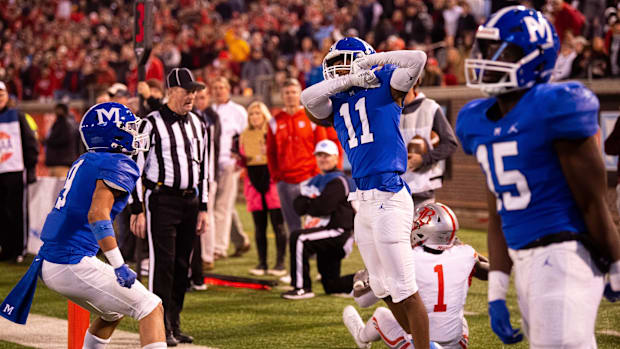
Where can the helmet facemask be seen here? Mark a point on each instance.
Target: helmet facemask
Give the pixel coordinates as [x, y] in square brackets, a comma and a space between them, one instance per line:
[138, 141]
[494, 67]
[339, 62]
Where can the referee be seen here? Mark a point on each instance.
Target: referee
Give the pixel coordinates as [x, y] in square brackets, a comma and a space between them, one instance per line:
[174, 175]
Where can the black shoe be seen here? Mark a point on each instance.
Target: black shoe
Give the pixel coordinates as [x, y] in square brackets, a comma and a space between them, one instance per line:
[241, 250]
[182, 337]
[170, 340]
[278, 270]
[298, 293]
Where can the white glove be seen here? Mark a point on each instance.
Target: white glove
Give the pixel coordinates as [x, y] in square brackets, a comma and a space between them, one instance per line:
[360, 64]
[365, 79]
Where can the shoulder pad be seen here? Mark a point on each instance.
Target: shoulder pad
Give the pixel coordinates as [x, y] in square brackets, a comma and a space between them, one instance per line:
[119, 169]
[567, 98]
[570, 110]
[464, 119]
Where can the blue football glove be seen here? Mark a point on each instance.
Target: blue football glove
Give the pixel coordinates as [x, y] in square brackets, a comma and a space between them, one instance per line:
[434, 345]
[125, 276]
[610, 294]
[500, 323]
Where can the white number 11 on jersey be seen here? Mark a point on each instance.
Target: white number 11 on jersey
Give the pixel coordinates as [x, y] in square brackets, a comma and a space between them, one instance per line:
[360, 107]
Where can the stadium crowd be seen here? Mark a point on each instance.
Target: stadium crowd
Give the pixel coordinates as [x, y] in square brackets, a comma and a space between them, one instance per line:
[61, 49]
[83, 49]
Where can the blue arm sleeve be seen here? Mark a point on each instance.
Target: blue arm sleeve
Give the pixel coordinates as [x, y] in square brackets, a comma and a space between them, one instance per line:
[102, 229]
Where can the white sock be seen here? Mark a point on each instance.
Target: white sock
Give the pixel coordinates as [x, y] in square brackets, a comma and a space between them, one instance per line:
[93, 342]
[156, 345]
[369, 333]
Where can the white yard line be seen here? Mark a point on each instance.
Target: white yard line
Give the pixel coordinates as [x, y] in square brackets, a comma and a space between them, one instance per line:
[51, 333]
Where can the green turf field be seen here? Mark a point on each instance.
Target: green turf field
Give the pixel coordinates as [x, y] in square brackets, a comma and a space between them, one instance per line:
[7, 345]
[238, 318]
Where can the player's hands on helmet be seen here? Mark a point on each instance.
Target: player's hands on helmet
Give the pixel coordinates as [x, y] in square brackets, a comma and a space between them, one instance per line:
[360, 64]
[365, 79]
[500, 323]
[125, 276]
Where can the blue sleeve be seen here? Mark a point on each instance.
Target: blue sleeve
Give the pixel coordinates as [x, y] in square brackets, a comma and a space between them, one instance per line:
[572, 111]
[120, 170]
[461, 133]
[385, 74]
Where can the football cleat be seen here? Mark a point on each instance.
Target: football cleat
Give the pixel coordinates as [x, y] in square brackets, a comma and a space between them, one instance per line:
[298, 293]
[354, 324]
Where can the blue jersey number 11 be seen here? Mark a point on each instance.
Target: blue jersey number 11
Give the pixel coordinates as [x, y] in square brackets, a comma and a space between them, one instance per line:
[360, 107]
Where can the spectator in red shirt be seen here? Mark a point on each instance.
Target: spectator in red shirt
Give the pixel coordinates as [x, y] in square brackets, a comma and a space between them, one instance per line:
[44, 88]
[154, 67]
[291, 139]
[104, 74]
[566, 18]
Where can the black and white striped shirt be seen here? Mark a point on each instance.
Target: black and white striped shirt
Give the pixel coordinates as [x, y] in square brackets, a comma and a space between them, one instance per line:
[177, 157]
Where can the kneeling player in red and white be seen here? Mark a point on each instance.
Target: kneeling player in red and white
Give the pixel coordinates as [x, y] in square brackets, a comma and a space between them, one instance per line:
[443, 267]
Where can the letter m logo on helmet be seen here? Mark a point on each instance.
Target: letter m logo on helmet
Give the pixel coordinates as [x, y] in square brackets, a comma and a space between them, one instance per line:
[538, 28]
[111, 114]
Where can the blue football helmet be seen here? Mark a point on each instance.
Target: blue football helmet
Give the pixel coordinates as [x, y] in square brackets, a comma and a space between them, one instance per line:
[112, 127]
[346, 50]
[515, 49]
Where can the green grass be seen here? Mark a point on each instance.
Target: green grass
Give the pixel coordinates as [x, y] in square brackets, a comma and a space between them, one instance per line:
[226, 317]
[8, 345]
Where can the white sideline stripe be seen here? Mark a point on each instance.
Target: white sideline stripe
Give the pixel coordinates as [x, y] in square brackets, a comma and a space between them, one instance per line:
[51, 333]
[147, 197]
[469, 313]
[609, 332]
[299, 263]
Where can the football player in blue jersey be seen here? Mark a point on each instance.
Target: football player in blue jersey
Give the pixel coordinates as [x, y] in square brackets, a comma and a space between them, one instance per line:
[95, 191]
[548, 216]
[362, 97]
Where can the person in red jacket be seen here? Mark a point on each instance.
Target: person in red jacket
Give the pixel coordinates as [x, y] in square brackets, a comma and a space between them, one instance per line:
[566, 18]
[291, 139]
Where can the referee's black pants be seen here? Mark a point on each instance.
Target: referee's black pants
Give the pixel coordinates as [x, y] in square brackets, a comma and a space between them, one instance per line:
[328, 245]
[13, 215]
[171, 224]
